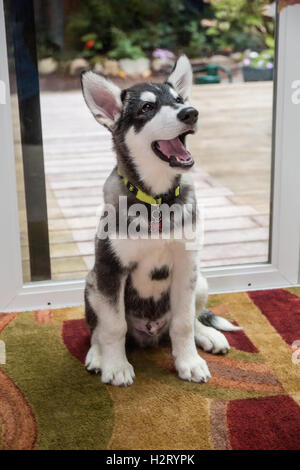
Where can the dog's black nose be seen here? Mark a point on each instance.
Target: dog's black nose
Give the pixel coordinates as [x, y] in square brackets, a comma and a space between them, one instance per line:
[188, 115]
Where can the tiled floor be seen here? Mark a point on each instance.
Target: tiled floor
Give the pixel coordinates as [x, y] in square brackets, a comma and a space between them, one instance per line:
[232, 178]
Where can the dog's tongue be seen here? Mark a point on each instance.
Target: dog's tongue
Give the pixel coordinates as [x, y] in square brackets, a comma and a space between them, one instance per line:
[174, 148]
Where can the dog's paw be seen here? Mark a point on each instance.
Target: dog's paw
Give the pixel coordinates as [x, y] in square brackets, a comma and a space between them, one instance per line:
[211, 340]
[93, 360]
[193, 369]
[120, 374]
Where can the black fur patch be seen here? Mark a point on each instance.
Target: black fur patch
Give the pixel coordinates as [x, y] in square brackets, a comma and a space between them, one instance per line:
[108, 269]
[145, 308]
[207, 317]
[133, 110]
[90, 316]
[159, 274]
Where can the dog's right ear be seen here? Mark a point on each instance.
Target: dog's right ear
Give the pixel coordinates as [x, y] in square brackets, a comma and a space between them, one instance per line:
[181, 77]
[102, 97]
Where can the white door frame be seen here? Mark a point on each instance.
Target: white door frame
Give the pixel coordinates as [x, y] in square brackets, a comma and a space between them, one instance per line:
[283, 269]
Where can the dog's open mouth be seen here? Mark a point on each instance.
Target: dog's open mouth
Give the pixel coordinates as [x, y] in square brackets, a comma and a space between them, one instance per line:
[173, 151]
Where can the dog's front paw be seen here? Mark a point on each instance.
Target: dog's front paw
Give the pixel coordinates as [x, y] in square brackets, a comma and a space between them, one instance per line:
[120, 374]
[193, 369]
[93, 360]
[211, 340]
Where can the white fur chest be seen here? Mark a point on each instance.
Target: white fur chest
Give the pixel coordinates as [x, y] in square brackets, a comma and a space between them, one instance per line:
[148, 257]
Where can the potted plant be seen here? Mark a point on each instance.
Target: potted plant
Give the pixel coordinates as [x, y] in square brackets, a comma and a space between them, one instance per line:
[258, 66]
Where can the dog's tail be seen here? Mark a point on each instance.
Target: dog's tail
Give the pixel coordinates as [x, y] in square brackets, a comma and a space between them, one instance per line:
[208, 318]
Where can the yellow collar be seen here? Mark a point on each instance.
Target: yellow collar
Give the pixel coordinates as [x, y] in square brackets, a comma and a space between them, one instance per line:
[144, 197]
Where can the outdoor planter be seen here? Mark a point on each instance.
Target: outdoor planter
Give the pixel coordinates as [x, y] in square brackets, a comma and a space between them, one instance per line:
[256, 74]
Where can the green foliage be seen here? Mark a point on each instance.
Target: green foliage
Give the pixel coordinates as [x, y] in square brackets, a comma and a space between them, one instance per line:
[137, 27]
[133, 28]
[129, 16]
[270, 42]
[124, 46]
[239, 25]
[198, 44]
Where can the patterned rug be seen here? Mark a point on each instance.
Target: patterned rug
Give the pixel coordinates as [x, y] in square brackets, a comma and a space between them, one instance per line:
[49, 401]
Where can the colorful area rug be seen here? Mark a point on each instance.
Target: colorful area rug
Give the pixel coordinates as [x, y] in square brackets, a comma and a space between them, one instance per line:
[49, 401]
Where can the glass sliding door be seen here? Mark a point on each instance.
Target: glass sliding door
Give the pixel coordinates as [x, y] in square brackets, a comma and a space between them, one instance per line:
[62, 156]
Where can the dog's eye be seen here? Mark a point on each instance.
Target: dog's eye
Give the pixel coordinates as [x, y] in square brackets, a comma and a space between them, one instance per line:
[147, 107]
[178, 99]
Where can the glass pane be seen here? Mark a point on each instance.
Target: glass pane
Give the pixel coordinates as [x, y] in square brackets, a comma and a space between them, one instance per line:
[25, 99]
[231, 50]
[234, 155]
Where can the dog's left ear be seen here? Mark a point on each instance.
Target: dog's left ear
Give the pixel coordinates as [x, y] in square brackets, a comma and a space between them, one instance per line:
[182, 77]
[102, 97]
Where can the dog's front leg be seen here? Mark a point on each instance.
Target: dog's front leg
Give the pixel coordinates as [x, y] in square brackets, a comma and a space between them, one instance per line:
[107, 352]
[189, 364]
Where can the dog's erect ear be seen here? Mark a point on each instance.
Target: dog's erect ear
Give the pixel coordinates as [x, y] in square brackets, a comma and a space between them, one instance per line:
[102, 97]
[182, 77]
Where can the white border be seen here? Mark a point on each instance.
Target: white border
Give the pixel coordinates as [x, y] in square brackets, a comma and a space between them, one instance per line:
[283, 270]
[10, 251]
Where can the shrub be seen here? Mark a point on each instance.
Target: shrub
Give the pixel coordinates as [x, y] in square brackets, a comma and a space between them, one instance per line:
[239, 24]
[133, 28]
[124, 46]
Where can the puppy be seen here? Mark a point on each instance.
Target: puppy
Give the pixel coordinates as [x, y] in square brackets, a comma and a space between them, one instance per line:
[144, 285]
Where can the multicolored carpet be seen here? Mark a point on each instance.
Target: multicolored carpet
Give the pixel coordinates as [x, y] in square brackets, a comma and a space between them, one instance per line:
[49, 401]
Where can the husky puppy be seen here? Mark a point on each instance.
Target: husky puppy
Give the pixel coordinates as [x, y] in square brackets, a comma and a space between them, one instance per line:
[147, 289]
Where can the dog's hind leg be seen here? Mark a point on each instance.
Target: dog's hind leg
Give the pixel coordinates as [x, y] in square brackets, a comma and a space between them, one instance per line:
[201, 293]
[209, 339]
[106, 316]
[206, 323]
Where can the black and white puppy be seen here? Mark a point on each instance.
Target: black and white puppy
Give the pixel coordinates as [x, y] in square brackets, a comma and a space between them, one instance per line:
[147, 289]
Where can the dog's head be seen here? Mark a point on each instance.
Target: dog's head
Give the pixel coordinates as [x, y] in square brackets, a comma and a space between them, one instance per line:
[149, 122]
